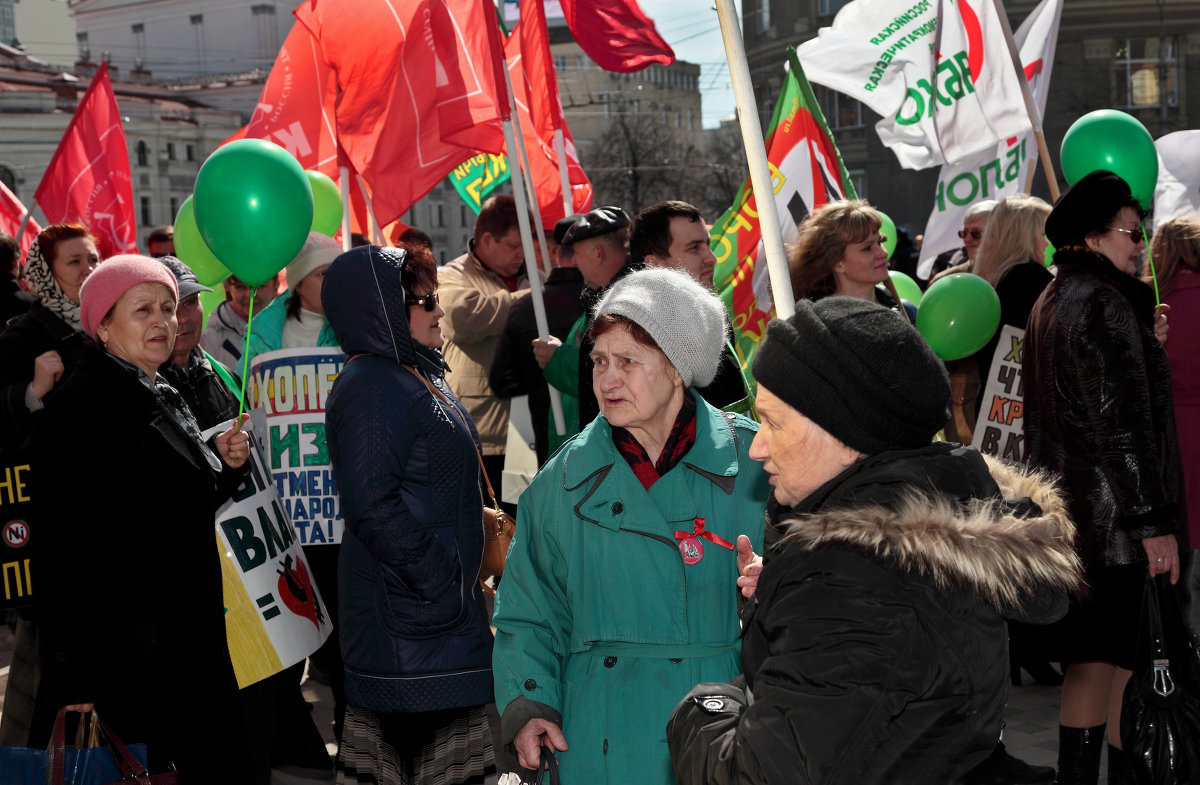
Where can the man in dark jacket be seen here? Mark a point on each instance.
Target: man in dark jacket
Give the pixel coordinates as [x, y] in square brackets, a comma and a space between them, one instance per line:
[13, 300]
[874, 648]
[515, 370]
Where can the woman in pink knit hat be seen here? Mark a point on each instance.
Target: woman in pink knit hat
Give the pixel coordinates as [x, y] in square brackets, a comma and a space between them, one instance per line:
[130, 606]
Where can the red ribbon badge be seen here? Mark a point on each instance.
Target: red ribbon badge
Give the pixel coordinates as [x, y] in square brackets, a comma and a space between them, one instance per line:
[689, 544]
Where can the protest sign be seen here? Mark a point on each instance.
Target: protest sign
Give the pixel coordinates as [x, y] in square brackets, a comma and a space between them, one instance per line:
[288, 390]
[1001, 427]
[16, 535]
[274, 614]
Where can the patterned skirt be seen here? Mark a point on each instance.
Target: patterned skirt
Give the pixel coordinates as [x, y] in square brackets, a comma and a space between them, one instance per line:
[452, 747]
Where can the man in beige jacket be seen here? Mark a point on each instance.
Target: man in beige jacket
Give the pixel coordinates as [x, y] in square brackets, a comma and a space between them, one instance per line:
[476, 291]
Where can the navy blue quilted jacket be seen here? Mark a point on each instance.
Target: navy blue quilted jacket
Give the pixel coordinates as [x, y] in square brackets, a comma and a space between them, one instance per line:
[414, 630]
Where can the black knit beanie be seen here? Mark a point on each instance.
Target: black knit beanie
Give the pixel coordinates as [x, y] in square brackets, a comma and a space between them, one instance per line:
[858, 370]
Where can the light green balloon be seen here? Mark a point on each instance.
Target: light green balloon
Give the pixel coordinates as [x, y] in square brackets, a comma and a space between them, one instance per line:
[906, 287]
[191, 249]
[888, 230]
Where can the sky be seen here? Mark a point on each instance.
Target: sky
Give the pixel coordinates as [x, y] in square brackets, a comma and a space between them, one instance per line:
[692, 30]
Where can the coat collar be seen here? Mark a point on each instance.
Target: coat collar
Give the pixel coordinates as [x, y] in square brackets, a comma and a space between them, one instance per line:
[1075, 261]
[592, 457]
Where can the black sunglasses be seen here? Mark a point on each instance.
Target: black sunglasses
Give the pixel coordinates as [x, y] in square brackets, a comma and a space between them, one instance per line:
[428, 302]
[976, 234]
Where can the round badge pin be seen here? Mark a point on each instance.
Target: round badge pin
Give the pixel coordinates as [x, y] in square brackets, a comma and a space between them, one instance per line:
[692, 550]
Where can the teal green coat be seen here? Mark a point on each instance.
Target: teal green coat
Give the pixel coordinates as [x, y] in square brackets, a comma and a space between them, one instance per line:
[598, 620]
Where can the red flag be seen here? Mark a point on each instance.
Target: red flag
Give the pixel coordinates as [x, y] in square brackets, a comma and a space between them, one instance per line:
[12, 218]
[88, 178]
[617, 34]
[417, 89]
[540, 111]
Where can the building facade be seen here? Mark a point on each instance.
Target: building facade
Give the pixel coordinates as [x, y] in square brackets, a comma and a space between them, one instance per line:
[1140, 56]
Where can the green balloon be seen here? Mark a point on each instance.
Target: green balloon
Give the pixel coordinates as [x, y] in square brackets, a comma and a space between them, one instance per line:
[327, 203]
[210, 300]
[1116, 141]
[254, 207]
[958, 315]
[888, 230]
[1048, 259]
[191, 249]
[906, 287]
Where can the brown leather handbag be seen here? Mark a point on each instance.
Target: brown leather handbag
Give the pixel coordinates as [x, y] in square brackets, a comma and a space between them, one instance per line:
[498, 526]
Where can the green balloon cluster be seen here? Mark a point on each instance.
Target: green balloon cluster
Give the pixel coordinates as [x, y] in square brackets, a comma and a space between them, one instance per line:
[958, 315]
[254, 208]
[888, 230]
[327, 203]
[906, 287]
[192, 250]
[1116, 141]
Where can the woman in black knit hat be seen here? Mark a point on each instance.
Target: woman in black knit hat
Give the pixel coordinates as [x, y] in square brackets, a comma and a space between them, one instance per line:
[875, 643]
[1098, 412]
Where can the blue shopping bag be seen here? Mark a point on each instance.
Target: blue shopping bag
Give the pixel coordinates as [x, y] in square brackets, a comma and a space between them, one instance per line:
[86, 766]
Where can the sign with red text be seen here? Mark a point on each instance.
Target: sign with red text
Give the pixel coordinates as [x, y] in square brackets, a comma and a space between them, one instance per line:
[1000, 430]
[288, 389]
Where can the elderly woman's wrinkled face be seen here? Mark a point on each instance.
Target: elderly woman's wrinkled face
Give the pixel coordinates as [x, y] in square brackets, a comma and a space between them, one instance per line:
[1118, 243]
[73, 262]
[141, 327]
[799, 455]
[634, 383]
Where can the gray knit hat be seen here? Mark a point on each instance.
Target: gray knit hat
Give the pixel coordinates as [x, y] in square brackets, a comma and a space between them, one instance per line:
[686, 320]
[859, 371]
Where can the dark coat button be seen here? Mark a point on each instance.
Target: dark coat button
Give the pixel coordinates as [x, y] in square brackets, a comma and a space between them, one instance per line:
[530, 685]
[617, 508]
[610, 661]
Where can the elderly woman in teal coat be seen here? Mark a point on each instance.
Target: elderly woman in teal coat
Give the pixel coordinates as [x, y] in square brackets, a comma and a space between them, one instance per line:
[620, 589]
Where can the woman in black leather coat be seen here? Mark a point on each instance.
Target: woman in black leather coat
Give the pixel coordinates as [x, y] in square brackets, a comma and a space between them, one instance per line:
[1098, 413]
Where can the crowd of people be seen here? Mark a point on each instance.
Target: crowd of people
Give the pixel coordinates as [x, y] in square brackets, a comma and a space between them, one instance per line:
[797, 571]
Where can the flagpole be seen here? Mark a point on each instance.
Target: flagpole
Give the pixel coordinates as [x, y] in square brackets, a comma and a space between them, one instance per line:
[560, 149]
[25, 221]
[344, 180]
[531, 268]
[756, 156]
[1035, 117]
[527, 172]
[376, 229]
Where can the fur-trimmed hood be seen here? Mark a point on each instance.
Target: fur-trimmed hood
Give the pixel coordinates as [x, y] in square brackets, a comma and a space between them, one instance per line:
[1014, 549]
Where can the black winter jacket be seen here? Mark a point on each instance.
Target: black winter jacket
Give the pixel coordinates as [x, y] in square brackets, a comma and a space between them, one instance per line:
[25, 338]
[874, 649]
[129, 598]
[413, 626]
[1098, 408]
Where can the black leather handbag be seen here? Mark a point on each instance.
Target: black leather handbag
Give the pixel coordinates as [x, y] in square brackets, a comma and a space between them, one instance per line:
[1160, 715]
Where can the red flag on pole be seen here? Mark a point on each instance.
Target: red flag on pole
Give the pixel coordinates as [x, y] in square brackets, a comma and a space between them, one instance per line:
[12, 218]
[617, 34]
[88, 178]
[417, 89]
[540, 112]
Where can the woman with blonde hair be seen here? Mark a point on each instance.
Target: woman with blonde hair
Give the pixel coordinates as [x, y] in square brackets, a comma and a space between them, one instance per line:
[840, 251]
[1176, 253]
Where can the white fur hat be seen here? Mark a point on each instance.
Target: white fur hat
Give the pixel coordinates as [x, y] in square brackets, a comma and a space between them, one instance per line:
[318, 251]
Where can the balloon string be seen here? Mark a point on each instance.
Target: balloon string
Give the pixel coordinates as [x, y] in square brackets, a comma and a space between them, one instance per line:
[1150, 259]
[245, 360]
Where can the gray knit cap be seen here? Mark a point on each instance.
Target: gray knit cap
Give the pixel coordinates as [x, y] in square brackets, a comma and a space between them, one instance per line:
[686, 320]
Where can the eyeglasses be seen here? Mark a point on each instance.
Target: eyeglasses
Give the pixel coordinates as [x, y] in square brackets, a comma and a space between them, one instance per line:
[974, 234]
[1135, 234]
[428, 302]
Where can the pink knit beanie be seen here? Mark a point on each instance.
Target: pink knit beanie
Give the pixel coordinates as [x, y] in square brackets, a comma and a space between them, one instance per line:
[111, 279]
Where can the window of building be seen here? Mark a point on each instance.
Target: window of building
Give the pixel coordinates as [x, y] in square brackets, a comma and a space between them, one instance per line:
[463, 218]
[174, 207]
[579, 62]
[691, 120]
[170, 151]
[764, 16]
[9, 178]
[830, 7]
[190, 152]
[1141, 67]
[143, 153]
[145, 205]
[859, 179]
[842, 112]
[81, 42]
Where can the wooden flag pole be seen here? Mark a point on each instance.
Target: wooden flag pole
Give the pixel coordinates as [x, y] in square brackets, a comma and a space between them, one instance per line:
[344, 181]
[376, 230]
[531, 268]
[756, 156]
[1035, 117]
[560, 149]
[527, 173]
[25, 221]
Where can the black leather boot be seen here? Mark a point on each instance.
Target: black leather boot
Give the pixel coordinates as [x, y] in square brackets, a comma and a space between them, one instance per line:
[1002, 768]
[1079, 755]
[1120, 767]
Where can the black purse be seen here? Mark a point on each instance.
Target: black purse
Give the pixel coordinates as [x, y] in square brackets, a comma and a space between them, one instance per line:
[1160, 714]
